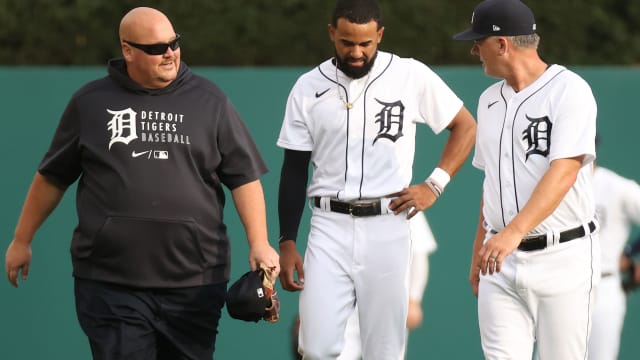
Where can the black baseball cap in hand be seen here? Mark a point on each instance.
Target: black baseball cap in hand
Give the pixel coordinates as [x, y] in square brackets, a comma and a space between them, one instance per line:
[246, 299]
[499, 18]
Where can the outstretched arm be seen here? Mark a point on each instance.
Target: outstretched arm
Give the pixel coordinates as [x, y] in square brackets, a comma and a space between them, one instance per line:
[41, 200]
[291, 200]
[249, 202]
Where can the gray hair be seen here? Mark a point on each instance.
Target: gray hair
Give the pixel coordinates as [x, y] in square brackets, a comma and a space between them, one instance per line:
[530, 41]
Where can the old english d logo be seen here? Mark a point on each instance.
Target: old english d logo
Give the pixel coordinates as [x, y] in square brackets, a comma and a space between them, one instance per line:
[122, 126]
[538, 136]
[390, 120]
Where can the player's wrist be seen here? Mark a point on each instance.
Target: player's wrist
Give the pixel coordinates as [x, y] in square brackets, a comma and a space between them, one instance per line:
[283, 242]
[23, 238]
[437, 181]
[433, 187]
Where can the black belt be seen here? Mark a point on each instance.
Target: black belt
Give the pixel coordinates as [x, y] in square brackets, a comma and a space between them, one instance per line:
[539, 242]
[368, 208]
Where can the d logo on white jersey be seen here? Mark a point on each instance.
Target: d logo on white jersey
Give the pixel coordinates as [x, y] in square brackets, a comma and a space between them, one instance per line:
[391, 119]
[538, 136]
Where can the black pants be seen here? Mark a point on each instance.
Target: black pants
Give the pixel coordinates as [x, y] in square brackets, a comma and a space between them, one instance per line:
[151, 324]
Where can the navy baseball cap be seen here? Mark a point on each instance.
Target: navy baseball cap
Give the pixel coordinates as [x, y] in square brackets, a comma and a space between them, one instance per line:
[246, 299]
[499, 18]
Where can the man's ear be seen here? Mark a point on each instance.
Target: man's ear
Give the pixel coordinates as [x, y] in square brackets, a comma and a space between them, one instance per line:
[380, 33]
[502, 45]
[126, 51]
[332, 31]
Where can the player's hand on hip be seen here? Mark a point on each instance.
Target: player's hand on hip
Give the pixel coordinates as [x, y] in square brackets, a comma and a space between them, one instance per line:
[290, 264]
[17, 260]
[413, 199]
[495, 250]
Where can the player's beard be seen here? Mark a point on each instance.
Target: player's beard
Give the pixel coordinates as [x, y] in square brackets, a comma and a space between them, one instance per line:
[355, 72]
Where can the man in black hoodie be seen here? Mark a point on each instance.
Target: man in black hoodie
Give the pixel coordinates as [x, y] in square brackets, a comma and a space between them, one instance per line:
[152, 144]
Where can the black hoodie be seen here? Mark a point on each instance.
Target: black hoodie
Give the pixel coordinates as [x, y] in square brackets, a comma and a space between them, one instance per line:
[151, 164]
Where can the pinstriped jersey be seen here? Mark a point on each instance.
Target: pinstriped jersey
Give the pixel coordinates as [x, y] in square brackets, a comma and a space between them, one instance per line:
[366, 151]
[519, 135]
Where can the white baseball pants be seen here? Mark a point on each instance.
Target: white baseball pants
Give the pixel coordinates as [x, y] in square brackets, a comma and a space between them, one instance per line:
[348, 260]
[543, 296]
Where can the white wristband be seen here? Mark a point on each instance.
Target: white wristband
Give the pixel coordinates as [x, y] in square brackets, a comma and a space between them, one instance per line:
[440, 178]
[434, 188]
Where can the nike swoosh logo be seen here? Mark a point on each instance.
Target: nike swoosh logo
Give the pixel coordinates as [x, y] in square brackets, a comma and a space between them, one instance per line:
[138, 154]
[491, 104]
[318, 94]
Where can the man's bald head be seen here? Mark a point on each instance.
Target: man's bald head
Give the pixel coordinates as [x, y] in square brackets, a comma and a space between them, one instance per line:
[141, 27]
[141, 23]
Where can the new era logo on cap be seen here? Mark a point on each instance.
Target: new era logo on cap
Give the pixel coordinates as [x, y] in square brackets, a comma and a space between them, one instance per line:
[246, 299]
[499, 17]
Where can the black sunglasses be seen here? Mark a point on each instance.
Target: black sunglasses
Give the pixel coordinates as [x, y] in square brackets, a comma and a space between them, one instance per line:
[156, 49]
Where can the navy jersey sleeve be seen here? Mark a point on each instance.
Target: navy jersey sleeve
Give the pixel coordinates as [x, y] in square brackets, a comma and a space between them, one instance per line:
[61, 163]
[241, 162]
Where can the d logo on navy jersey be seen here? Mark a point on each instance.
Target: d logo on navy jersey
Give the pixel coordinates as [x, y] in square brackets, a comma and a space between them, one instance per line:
[390, 119]
[538, 136]
[122, 126]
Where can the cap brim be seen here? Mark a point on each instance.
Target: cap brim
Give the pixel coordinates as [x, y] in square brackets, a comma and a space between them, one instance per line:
[468, 34]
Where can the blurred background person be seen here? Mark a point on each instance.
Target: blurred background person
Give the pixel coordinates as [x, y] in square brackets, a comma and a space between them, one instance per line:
[618, 209]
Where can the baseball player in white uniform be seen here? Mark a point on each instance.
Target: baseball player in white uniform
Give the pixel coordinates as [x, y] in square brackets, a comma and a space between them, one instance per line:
[618, 209]
[354, 118]
[423, 243]
[536, 256]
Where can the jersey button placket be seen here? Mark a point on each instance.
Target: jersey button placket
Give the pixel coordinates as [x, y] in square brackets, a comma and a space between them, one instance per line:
[507, 184]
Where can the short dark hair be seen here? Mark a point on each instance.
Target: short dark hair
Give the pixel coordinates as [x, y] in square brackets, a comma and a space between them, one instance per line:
[357, 12]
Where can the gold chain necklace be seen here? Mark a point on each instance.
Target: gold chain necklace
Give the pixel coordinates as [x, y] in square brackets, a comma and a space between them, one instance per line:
[349, 104]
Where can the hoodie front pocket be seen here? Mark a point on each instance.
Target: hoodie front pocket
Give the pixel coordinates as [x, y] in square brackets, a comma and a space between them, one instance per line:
[162, 250]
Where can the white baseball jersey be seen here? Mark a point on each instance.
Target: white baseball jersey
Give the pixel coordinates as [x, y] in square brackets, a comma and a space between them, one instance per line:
[368, 151]
[553, 118]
